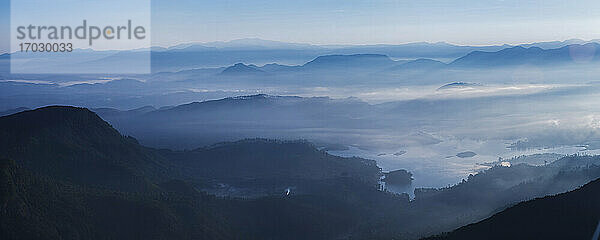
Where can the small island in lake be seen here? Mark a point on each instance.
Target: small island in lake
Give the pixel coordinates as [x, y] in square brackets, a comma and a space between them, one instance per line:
[398, 177]
[467, 154]
[399, 153]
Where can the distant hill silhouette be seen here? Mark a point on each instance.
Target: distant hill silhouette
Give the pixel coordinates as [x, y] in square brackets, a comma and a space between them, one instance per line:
[457, 85]
[263, 114]
[533, 56]
[419, 65]
[332, 62]
[274, 67]
[557, 44]
[240, 69]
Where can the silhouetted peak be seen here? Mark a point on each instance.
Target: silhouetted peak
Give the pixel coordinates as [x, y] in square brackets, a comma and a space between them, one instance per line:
[353, 60]
[54, 117]
[420, 64]
[240, 68]
[340, 57]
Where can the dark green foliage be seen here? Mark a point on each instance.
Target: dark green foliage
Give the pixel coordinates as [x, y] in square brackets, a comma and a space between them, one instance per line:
[75, 177]
[74, 144]
[35, 207]
[572, 215]
[269, 166]
[398, 177]
[441, 210]
[274, 159]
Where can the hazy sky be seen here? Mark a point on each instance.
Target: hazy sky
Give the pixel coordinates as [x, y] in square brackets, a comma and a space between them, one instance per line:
[476, 22]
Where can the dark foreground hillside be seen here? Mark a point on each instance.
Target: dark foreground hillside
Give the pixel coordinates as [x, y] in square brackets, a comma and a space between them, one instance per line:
[571, 215]
[36, 207]
[67, 174]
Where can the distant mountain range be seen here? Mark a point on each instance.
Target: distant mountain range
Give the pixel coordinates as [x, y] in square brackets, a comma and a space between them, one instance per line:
[249, 44]
[416, 48]
[235, 117]
[261, 52]
[319, 72]
[326, 63]
[323, 55]
[588, 53]
[532, 56]
[558, 44]
[422, 64]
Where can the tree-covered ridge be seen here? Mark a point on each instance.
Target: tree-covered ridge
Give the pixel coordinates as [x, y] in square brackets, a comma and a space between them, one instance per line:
[72, 176]
[38, 207]
[279, 163]
[74, 144]
[571, 215]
